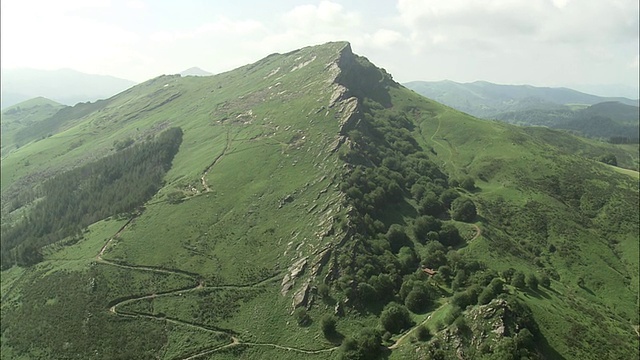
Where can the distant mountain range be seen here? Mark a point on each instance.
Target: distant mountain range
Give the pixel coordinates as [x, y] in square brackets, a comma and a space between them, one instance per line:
[562, 108]
[65, 86]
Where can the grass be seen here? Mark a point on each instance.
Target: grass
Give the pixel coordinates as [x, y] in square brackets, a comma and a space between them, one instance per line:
[238, 234]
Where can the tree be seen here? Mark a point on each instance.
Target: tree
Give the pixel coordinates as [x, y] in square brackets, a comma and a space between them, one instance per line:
[447, 197]
[418, 298]
[423, 333]
[408, 260]
[449, 235]
[434, 255]
[508, 274]
[397, 238]
[459, 280]
[328, 325]
[395, 318]
[463, 209]
[518, 280]
[430, 205]
[423, 225]
[363, 345]
[532, 281]
[445, 273]
[468, 183]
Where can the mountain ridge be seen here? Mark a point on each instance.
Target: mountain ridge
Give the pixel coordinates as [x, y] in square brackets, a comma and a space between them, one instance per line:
[311, 186]
[486, 99]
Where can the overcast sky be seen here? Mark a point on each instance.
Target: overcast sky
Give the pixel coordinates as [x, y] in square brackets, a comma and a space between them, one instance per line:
[569, 43]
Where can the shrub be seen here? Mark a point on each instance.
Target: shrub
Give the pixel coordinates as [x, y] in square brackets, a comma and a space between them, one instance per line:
[545, 281]
[463, 209]
[468, 183]
[518, 280]
[302, 317]
[423, 333]
[395, 318]
[363, 345]
[328, 325]
[323, 290]
[532, 281]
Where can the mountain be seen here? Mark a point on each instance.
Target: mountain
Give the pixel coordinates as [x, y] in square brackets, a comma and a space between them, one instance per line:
[65, 86]
[611, 121]
[307, 205]
[486, 100]
[195, 71]
[560, 108]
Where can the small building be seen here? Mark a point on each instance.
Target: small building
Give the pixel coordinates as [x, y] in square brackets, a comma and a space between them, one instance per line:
[428, 271]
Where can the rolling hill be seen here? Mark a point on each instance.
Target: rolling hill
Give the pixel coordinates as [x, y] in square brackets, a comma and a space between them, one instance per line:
[308, 206]
[64, 86]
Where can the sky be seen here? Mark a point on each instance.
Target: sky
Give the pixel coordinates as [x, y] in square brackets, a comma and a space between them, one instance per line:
[583, 44]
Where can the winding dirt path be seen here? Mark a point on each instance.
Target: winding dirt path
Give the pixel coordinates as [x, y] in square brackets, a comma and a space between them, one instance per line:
[410, 331]
[199, 284]
[448, 148]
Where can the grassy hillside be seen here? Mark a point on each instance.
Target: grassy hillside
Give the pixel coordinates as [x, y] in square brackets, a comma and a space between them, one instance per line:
[307, 195]
[24, 115]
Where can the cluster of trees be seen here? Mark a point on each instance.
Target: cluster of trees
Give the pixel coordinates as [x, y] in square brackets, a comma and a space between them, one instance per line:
[380, 269]
[69, 202]
[389, 173]
[624, 140]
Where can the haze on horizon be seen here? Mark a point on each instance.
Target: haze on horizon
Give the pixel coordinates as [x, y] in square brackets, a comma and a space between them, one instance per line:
[588, 45]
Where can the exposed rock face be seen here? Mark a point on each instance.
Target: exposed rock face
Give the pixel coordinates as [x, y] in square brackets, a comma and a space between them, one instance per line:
[295, 270]
[301, 297]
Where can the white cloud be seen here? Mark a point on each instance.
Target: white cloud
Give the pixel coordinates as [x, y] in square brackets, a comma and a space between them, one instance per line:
[53, 35]
[326, 14]
[223, 28]
[384, 38]
[537, 41]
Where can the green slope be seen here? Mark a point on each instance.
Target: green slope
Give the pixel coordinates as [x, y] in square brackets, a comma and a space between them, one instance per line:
[258, 216]
[24, 115]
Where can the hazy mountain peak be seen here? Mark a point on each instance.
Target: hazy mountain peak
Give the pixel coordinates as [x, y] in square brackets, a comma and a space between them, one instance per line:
[195, 71]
